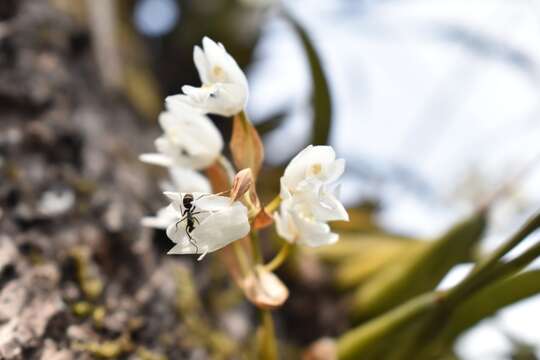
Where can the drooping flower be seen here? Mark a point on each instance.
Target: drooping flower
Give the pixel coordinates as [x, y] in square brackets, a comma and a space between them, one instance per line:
[315, 163]
[224, 89]
[217, 221]
[307, 204]
[190, 139]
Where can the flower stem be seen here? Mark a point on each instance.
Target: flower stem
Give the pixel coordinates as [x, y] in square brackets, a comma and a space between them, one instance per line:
[242, 258]
[273, 205]
[279, 258]
[267, 341]
[255, 243]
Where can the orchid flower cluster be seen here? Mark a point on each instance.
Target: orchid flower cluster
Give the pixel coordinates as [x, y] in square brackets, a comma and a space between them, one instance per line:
[200, 222]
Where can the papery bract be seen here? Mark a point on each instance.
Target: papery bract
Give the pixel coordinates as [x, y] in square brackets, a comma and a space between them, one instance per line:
[224, 89]
[220, 221]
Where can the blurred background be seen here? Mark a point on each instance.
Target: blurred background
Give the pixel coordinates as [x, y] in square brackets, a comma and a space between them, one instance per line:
[435, 105]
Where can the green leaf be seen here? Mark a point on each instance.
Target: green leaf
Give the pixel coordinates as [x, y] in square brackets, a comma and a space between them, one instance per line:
[271, 123]
[421, 272]
[321, 99]
[371, 339]
[491, 299]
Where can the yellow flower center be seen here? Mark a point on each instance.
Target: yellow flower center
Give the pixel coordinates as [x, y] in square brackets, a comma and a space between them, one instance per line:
[218, 72]
[316, 169]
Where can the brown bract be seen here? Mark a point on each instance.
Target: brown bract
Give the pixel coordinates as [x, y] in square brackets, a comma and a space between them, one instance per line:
[264, 289]
[218, 177]
[246, 145]
[322, 349]
[244, 189]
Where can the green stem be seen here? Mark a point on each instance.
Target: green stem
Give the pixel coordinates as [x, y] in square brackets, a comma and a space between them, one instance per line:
[268, 343]
[273, 205]
[279, 258]
[255, 243]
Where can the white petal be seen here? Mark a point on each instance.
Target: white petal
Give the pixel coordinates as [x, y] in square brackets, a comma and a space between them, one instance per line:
[174, 196]
[164, 217]
[176, 231]
[313, 161]
[214, 232]
[314, 233]
[217, 58]
[212, 202]
[285, 226]
[188, 181]
[222, 227]
[192, 142]
[313, 197]
[224, 99]
[335, 170]
[156, 159]
[199, 58]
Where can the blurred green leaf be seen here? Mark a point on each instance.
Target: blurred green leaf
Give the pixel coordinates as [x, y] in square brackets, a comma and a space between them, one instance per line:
[419, 273]
[353, 245]
[321, 98]
[357, 269]
[271, 123]
[371, 339]
[491, 299]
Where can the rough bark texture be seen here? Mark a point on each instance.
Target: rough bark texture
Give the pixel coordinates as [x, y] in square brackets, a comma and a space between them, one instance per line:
[78, 273]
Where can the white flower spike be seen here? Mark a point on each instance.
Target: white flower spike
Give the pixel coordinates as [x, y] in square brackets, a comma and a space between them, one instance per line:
[190, 139]
[217, 221]
[224, 89]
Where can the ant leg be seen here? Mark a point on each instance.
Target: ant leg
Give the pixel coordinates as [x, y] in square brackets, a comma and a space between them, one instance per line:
[205, 251]
[192, 242]
[179, 221]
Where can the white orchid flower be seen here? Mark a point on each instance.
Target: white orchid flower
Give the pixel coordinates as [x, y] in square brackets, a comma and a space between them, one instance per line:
[224, 89]
[190, 139]
[296, 224]
[163, 218]
[180, 180]
[307, 204]
[315, 163]
[217, 221]
[186, 180]
[314, 197]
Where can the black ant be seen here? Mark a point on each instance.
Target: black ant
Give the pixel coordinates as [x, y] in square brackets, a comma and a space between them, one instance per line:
[189, 216]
